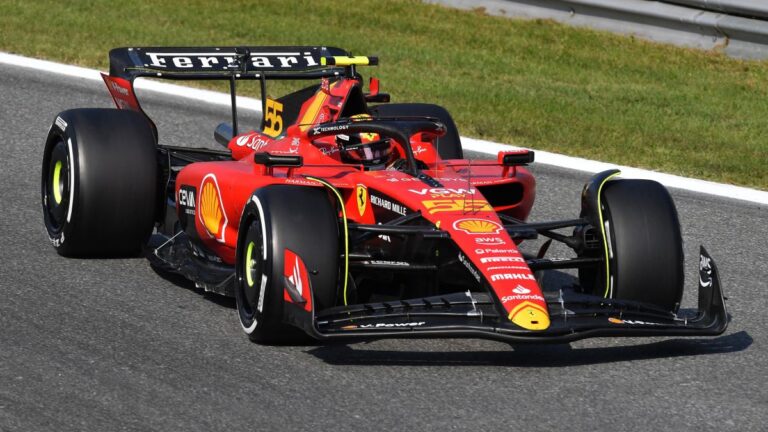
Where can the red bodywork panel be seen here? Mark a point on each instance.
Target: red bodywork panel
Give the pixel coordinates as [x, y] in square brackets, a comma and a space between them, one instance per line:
[458, 207]
[122, 92]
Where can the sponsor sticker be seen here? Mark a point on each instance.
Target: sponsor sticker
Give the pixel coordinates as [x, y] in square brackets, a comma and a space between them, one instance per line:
[437, 192]
[521, 297]
[388, 205]
[507, 268]
[61, 124]
[415, 179]
[300, 181]
[512, 276]
[391, 263]
[328, 150]
[323, 129]
[482, 251]
[57, 241]
[478, 226]
[705, 271]
[120, 90]
[253, 141]
[211, 208]
[614, 320]
[490, 241]
[186, 199]
[294, 148]
[501, 259]
[296, 274]
[521, 290]
[469, 266]
[394, 325]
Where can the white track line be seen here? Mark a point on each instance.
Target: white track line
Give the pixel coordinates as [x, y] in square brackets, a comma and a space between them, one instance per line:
[472, 144]
[591, 166]
[208, 96]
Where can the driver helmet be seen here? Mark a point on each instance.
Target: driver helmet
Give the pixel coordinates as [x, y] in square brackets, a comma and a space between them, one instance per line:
[367, 149]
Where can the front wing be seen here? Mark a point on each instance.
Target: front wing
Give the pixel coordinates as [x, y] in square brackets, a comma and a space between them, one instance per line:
[573, 316]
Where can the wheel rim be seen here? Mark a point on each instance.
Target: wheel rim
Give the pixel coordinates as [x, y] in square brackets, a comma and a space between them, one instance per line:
[57, 184]
[249, 283]
[249, 265]
[56, 188]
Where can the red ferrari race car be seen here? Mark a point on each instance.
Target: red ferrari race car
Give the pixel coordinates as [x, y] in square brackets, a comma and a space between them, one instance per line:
[349, 217]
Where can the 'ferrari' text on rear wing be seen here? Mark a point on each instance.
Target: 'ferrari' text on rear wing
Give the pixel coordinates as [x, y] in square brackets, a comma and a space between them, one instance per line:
[223, 62]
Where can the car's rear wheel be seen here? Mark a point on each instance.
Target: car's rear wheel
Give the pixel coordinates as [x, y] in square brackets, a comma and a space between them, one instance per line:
[449, 145]
[285, 228]
[99, 182]
[645, 247]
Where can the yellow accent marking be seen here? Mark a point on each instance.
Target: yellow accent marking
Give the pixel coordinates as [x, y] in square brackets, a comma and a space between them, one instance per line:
[602, 230]
[311, 113]
[56, 180]
[249, 264]
[210, 208]
[366, 136]
[456, 205]
[530, 316]
[351, 61]
[346, 230]
[273, 118]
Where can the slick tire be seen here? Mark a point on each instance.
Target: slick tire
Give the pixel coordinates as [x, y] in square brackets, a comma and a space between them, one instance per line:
[277, 219]
[99, 182]
[448, 145]
[646, 244]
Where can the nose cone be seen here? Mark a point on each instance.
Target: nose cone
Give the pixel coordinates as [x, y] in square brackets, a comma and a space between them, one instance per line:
[530, 316]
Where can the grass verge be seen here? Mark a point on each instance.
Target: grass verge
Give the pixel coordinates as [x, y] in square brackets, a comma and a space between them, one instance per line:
[531, 83]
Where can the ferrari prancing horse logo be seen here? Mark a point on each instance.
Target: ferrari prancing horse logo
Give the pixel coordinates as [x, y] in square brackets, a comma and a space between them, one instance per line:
[361, 196]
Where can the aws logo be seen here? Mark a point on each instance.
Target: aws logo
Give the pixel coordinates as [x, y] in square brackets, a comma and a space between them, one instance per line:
[211, 208]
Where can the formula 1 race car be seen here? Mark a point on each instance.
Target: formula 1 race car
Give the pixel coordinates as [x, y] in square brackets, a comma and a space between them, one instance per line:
[346, 216]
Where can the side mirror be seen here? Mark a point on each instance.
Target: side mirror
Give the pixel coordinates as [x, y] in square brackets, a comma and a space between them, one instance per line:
[223, 134]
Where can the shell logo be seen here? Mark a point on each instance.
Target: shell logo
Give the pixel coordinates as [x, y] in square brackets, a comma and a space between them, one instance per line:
[211, 208]
[477, 226]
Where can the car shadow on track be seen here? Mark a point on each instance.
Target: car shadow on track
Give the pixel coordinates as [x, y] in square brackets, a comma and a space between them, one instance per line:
[182, 282]
[562, 355]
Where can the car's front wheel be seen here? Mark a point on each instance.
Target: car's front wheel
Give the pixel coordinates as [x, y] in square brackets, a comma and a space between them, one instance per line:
[288, 251]
[644, 248]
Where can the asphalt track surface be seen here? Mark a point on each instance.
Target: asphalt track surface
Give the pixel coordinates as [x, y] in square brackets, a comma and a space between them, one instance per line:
[107, 345]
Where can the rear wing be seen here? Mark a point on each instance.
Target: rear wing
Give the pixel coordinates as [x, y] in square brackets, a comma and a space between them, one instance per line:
[224, 63]
[210, 63]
